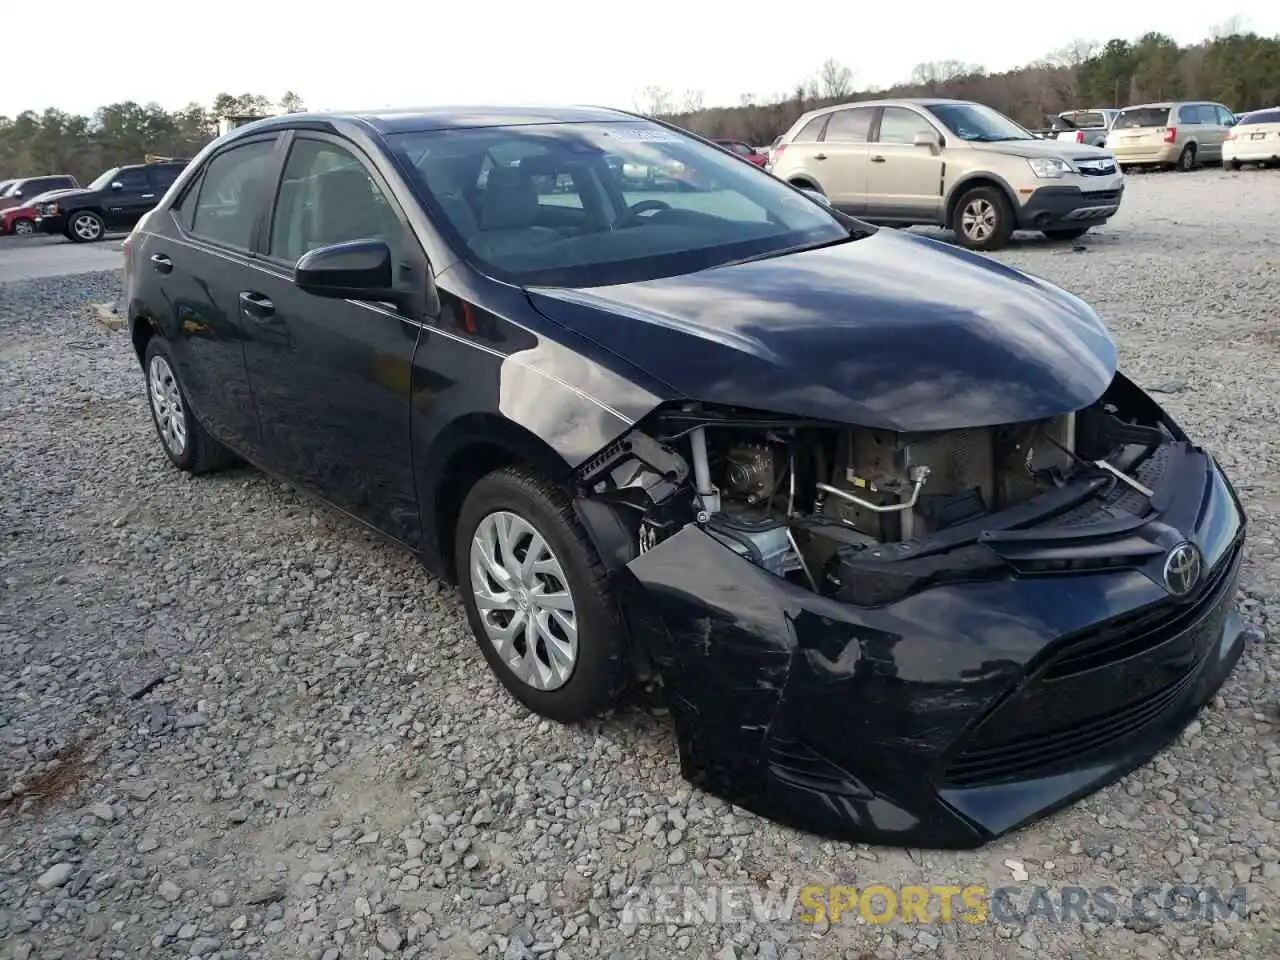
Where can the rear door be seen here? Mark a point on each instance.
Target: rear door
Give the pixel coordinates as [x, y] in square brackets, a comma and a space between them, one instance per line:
[843, 153]
[331, 378]
[904, 181]
[200, 255]
[1216, 120]
[798, 157]
[128, 197]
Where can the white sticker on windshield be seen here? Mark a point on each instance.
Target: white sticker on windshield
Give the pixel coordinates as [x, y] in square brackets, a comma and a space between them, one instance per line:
[648, 135]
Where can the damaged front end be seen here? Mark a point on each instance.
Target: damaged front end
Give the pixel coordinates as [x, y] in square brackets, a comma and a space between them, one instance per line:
[922, 639]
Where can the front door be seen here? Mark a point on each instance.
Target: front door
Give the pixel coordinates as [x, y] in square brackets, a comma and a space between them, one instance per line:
[331, 378]
[129, 196]
[904, 182]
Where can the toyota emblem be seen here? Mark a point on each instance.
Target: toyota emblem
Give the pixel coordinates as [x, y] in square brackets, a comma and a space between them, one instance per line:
[1182, 569]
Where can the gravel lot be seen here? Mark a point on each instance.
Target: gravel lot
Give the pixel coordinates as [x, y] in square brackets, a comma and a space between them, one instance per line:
[233, 725]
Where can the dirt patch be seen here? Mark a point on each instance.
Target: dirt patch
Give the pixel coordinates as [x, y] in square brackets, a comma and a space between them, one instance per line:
[59, 780]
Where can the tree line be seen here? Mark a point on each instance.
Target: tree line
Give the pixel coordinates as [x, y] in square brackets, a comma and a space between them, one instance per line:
[1236, 67]
[84, 146]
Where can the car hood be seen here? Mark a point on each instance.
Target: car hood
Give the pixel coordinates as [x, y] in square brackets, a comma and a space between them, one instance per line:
[68, 194]
[1043, 148]
[894, 331]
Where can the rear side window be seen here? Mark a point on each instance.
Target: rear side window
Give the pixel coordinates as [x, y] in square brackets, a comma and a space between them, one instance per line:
[1142, 117]
[226, 207]
[849, 126]
[810, 131]
[162, 177]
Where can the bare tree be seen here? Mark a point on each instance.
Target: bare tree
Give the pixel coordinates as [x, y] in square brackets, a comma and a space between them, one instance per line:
[835, 80]
[1074, 55]
[654, 101]
[692, 101]
[938, 72]
[1231, 27]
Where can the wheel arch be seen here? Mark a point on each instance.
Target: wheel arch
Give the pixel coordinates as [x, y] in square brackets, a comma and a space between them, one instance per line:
[984, 178]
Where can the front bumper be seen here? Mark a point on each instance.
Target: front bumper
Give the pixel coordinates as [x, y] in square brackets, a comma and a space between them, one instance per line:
[56, 224]
[960, 712]
[1066, 207]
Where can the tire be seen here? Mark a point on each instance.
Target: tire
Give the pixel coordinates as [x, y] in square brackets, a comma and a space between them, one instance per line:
[85, 226]
[1187, 159]
[990, 216]
[1233, 164]
[22, 227]
[599, 671]
[187, 444]
[1069, 234]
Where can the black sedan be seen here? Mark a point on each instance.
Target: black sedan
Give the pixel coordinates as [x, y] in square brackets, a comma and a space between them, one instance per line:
[911, 560]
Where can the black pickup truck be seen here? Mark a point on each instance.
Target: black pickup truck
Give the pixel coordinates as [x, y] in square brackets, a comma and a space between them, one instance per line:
[116, 200]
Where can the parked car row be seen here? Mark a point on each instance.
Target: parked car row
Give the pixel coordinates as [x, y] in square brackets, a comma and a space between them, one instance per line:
[57, 204]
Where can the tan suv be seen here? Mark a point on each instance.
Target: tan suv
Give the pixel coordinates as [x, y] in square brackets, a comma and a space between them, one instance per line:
[951, 163]
[1178, 135]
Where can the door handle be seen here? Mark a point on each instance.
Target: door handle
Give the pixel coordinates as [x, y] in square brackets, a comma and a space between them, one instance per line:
[148, 196]
[819, 156]
[877, 159]
[256, 306]
[161, 264]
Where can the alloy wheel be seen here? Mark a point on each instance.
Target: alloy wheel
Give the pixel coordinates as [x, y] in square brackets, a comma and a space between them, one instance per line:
[166, 403]
[978, 219]
[87, 227]
[23, 228]
[524, 601]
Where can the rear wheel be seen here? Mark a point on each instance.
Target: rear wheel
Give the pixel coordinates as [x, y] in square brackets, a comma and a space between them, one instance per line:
[983, 219]
[85, 226]
[1071, 234]
[1233, 164]
[538, 599]
[185, 441]
[1187, 159]
[23, 227]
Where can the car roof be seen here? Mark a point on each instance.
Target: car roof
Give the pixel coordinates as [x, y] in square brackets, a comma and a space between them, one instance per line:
[412, 120]
[891, 102]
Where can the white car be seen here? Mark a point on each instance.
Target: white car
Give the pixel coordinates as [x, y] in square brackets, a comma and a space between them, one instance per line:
[1255, 138]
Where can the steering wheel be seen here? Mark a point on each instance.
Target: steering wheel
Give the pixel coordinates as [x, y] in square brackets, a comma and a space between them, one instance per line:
[632, 216]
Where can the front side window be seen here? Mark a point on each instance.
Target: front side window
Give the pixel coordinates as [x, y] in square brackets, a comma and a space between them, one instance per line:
[900, 125]
[654, 202]
[977, 123]
[327, 196]
[849, 126]
[227, 204]
[133, 180]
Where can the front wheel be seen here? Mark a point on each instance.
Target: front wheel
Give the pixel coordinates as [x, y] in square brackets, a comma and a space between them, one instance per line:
[23, 227]
[1069, 234]
[85, 226]
[538, 599]
[983, 219]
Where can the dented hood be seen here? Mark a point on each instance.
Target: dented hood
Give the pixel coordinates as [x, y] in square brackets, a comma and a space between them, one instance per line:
[893, 330]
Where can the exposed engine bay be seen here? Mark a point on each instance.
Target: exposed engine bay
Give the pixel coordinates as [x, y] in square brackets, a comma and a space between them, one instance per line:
[865, 515]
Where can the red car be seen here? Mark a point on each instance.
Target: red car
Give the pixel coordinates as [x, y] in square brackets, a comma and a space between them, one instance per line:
[745, 151]
[20, 221]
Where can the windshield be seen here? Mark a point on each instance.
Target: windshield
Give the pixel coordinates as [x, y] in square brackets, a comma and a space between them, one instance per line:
[103, 179]
[588, 204]
[1087, 119]
[7, 187]
[978, 124]
[1141, 117]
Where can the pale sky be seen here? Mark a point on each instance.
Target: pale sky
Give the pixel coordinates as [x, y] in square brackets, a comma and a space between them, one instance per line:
[409, 53]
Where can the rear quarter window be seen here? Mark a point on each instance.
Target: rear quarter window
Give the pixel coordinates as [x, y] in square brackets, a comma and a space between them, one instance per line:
[811, 131]
[1142, 117]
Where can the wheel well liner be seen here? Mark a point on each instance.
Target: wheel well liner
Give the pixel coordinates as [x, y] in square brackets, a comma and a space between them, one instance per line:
[979, 180]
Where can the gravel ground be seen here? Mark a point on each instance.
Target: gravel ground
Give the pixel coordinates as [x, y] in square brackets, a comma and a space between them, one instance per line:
[233, 725]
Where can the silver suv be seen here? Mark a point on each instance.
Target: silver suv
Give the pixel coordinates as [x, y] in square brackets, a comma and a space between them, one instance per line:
[951, 163]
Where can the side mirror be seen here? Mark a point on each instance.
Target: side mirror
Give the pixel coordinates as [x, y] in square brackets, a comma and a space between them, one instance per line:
[353, 270]
[117, 185]
[821, 198]
[922, 139]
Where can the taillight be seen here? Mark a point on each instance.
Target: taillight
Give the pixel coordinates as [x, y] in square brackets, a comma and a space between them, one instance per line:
[126, 246]
[1171, 135]
[777, 152]
[1231, 135]
[1079, 136]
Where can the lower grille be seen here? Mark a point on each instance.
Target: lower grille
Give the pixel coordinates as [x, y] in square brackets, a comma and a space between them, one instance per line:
[1025, 755]
[1100, 197]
